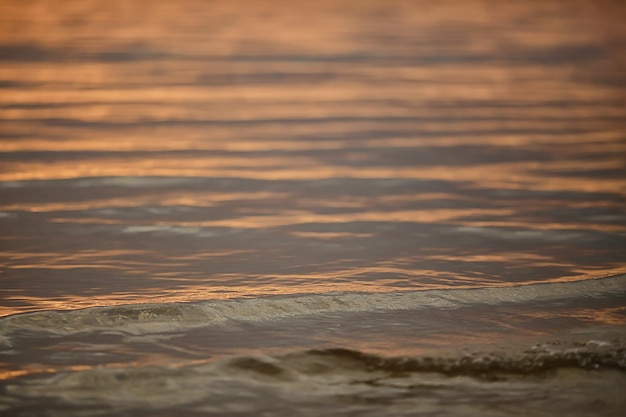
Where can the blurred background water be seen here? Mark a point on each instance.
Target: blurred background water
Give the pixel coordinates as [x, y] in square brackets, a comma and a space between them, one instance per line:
[195, 150]
[160, 152]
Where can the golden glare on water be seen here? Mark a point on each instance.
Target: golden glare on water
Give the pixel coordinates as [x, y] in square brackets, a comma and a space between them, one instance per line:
[279, 207]
[178, 151]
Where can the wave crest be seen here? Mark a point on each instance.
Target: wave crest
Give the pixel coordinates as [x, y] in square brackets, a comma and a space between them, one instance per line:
[168, 317]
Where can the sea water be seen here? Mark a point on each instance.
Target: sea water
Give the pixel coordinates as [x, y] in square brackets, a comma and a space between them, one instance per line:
[272, 208]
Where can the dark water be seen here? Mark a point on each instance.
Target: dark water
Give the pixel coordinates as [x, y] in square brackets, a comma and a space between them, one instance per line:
[338, 208]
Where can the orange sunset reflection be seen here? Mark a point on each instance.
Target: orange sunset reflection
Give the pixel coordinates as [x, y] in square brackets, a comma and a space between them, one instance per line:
[185, 151]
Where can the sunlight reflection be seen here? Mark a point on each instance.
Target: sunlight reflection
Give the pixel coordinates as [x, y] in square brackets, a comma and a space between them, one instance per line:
[182, 151]
[163, 199]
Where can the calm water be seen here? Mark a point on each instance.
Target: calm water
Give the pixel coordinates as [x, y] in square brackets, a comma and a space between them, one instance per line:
[339, 208]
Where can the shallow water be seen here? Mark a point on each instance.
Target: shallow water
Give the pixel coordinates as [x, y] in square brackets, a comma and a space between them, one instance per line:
[270, 208]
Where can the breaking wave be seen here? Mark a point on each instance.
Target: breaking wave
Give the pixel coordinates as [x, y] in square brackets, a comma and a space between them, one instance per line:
[336, 381]
[168, 317]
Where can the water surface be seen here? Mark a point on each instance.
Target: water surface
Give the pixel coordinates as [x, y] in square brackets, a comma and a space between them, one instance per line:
[299, 204]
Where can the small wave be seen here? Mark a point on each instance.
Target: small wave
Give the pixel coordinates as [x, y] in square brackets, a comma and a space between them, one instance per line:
[337, 379]
[532, 361]
[171, 317]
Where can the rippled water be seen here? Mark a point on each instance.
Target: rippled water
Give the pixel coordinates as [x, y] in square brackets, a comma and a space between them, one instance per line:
[346, 208]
